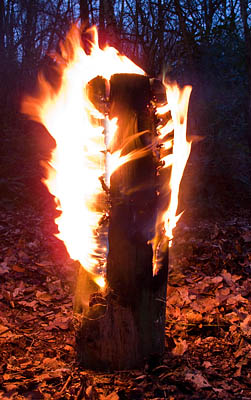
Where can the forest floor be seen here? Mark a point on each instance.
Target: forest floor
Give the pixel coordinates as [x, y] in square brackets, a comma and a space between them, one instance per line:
[208, 328]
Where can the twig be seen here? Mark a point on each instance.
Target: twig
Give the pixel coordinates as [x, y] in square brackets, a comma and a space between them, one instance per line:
[63, 388]
[81, 391]
[84, 383]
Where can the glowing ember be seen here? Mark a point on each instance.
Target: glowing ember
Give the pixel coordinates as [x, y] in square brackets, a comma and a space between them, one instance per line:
[84, 148]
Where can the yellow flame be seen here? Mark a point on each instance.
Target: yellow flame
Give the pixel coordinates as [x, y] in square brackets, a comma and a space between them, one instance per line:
[177, 100]
[100, 281]
[79, 160]
[86, 147]
[177, 104]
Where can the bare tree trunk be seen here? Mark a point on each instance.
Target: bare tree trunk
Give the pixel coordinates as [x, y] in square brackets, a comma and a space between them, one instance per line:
[161, 25]
[2, 52]
[112, 34]
[189, 42]
[247, 36]
[84, 12]
[102, 37]
[2, 8]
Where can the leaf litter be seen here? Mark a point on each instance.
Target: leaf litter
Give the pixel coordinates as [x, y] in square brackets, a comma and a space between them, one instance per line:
[208, 328]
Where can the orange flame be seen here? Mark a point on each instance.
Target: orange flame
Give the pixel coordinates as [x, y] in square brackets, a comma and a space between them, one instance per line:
[177, 104]
[84, 147]
[79, 159]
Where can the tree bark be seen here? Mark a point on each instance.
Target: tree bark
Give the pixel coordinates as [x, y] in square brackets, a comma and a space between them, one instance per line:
[189, 40]
[2, 20]
[84, 12]
[125, 327]
[247, 37]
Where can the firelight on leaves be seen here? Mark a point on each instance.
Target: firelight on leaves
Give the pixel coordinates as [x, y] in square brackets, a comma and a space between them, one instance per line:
[84, 140]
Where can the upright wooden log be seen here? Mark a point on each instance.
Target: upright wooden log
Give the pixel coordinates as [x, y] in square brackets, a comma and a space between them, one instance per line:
[124, 328]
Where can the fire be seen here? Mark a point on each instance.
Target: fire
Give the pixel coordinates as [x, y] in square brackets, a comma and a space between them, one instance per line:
[177, 105]
[178, 101]
[84, 158]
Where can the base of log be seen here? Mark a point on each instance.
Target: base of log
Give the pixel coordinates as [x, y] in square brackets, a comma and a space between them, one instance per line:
[108, 337]
[113, 336]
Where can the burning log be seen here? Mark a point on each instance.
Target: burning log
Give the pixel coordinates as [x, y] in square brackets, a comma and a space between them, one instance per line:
[125, 327]
[110, 176]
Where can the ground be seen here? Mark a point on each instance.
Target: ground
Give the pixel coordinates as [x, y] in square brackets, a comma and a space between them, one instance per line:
[208, 329]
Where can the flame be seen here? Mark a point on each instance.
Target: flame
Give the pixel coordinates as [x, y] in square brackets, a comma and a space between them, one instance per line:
[178, 101]
[86, 155]
[177, 105]
[81, 154]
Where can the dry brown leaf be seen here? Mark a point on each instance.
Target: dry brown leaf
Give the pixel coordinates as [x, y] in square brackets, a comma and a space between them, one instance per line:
[62, 322]
[44, 296]
[207, 364]
[232, 317]
[51, 363]
[111, 396]
[11, 386]
[217, 279]
[246, 326]
[246, 237]
[7, 377]
[4, 269]
[235, 299]
[44, 264]
[205, 305]
[197, 380]
[32, 304]
[43, 377]
[181, 347]
[227, 277]
[5, 332]
[17, 268]
[193, 317]
[69, 348]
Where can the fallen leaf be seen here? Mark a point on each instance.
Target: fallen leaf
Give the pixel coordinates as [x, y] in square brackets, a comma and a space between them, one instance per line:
[44, 296]
[62, 322]
[246, 326]
[68, 348]
[17, 268]
[181, 347]
[193, 316]
[217, 279]
[51, 363]
[12, 386]
[23, 256]
[232, 317]
[44, 264]
[32, 304]
[42, 377]
[227, 277]
[207, 364]
[197, 380]
[7, 377]
[111, 396]
[247, 237]
[235, 299]
[4, 269]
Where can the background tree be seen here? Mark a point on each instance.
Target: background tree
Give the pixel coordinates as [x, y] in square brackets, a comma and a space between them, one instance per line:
[84, 12]
[245, 16]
